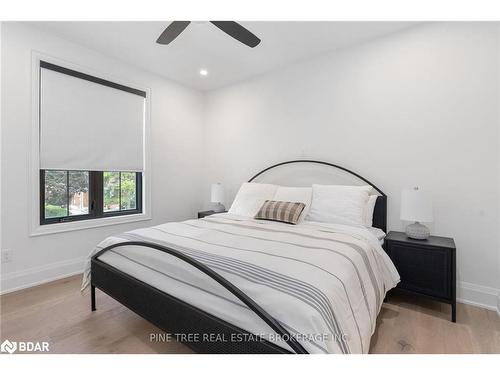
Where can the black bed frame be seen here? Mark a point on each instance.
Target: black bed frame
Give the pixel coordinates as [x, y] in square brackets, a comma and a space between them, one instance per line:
[201, 331]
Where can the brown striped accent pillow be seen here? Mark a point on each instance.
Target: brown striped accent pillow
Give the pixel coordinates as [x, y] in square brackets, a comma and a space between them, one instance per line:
[285, 212]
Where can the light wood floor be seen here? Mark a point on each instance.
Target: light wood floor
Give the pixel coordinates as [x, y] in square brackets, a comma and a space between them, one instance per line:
[58, 313]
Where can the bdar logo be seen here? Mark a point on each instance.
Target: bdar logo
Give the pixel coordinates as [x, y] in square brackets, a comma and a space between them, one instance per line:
[8, 347]
[24, 346]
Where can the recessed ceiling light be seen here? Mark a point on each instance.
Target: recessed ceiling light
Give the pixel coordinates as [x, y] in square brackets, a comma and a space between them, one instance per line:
[203, 72]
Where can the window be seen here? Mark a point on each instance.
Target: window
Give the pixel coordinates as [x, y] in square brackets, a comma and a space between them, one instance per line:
[120, 191]
[91, 141]
[80, 195]
[66, 194]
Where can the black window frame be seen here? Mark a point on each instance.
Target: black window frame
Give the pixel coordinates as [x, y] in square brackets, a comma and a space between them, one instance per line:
[96, 199]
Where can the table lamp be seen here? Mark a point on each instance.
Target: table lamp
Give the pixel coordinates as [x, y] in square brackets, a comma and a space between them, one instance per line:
[217, 197]
[416, 206]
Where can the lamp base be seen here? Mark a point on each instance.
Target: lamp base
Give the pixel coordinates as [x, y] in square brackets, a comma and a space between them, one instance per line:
[219, 207]
[417, 231]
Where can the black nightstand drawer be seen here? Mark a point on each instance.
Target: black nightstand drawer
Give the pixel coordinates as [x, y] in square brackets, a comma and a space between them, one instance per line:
[423, 270]
[426, 267]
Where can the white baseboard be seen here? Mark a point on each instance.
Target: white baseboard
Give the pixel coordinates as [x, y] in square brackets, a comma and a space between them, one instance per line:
[478, 295]
[13, 281]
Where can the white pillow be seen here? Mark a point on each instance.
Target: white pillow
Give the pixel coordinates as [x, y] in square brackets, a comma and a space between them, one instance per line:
[251, 197]
[339, 204]
[295, 194]
[369, 208]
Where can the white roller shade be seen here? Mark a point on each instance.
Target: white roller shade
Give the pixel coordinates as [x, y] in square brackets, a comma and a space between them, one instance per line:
[86, 125]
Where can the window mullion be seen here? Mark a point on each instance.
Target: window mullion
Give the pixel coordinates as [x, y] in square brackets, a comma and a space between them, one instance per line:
[119, 191]
[92, 198]
[98, 193]
[67, 193]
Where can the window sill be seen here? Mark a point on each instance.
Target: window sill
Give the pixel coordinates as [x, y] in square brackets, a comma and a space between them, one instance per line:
[41, 230]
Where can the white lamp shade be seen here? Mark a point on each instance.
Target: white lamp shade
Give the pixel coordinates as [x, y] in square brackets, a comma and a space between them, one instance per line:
[217, 195]
[416, 205]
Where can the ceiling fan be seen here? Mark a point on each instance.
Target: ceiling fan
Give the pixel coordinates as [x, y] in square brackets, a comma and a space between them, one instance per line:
[231, 28]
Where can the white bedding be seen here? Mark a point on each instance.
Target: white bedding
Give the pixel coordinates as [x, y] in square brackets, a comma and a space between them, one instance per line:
[324, 282]
[379, 233]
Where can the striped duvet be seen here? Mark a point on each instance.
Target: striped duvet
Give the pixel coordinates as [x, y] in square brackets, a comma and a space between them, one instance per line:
[324, 283]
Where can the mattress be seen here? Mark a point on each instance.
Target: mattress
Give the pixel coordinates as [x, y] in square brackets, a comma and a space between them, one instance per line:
[324, 283]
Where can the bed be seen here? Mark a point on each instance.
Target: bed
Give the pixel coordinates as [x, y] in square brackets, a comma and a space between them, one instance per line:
[232, 284]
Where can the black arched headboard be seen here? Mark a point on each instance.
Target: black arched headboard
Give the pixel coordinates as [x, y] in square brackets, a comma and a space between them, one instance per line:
[380, 212]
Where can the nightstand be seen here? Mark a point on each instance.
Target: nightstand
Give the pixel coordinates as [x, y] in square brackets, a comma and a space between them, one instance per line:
[427, 267]
[203, 214]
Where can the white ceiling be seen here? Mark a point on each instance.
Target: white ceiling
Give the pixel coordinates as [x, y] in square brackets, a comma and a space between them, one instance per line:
[203, 46]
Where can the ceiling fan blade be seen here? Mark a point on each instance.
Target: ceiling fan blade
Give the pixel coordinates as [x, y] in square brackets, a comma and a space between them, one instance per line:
[172, 31]
[238, 32]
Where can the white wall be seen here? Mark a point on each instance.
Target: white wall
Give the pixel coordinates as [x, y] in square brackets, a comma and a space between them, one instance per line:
[419, 107]
[176, 143]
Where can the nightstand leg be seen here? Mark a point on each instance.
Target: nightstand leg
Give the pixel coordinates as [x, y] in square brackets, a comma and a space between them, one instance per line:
[92, 297]
[454, 312]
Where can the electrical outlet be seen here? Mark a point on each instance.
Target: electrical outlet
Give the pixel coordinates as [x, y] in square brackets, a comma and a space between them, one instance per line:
[6, 256]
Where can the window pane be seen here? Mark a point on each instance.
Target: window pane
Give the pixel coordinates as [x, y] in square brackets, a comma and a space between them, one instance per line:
[78, 193]
[111, 191]
[128, 201]
[56, 196]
